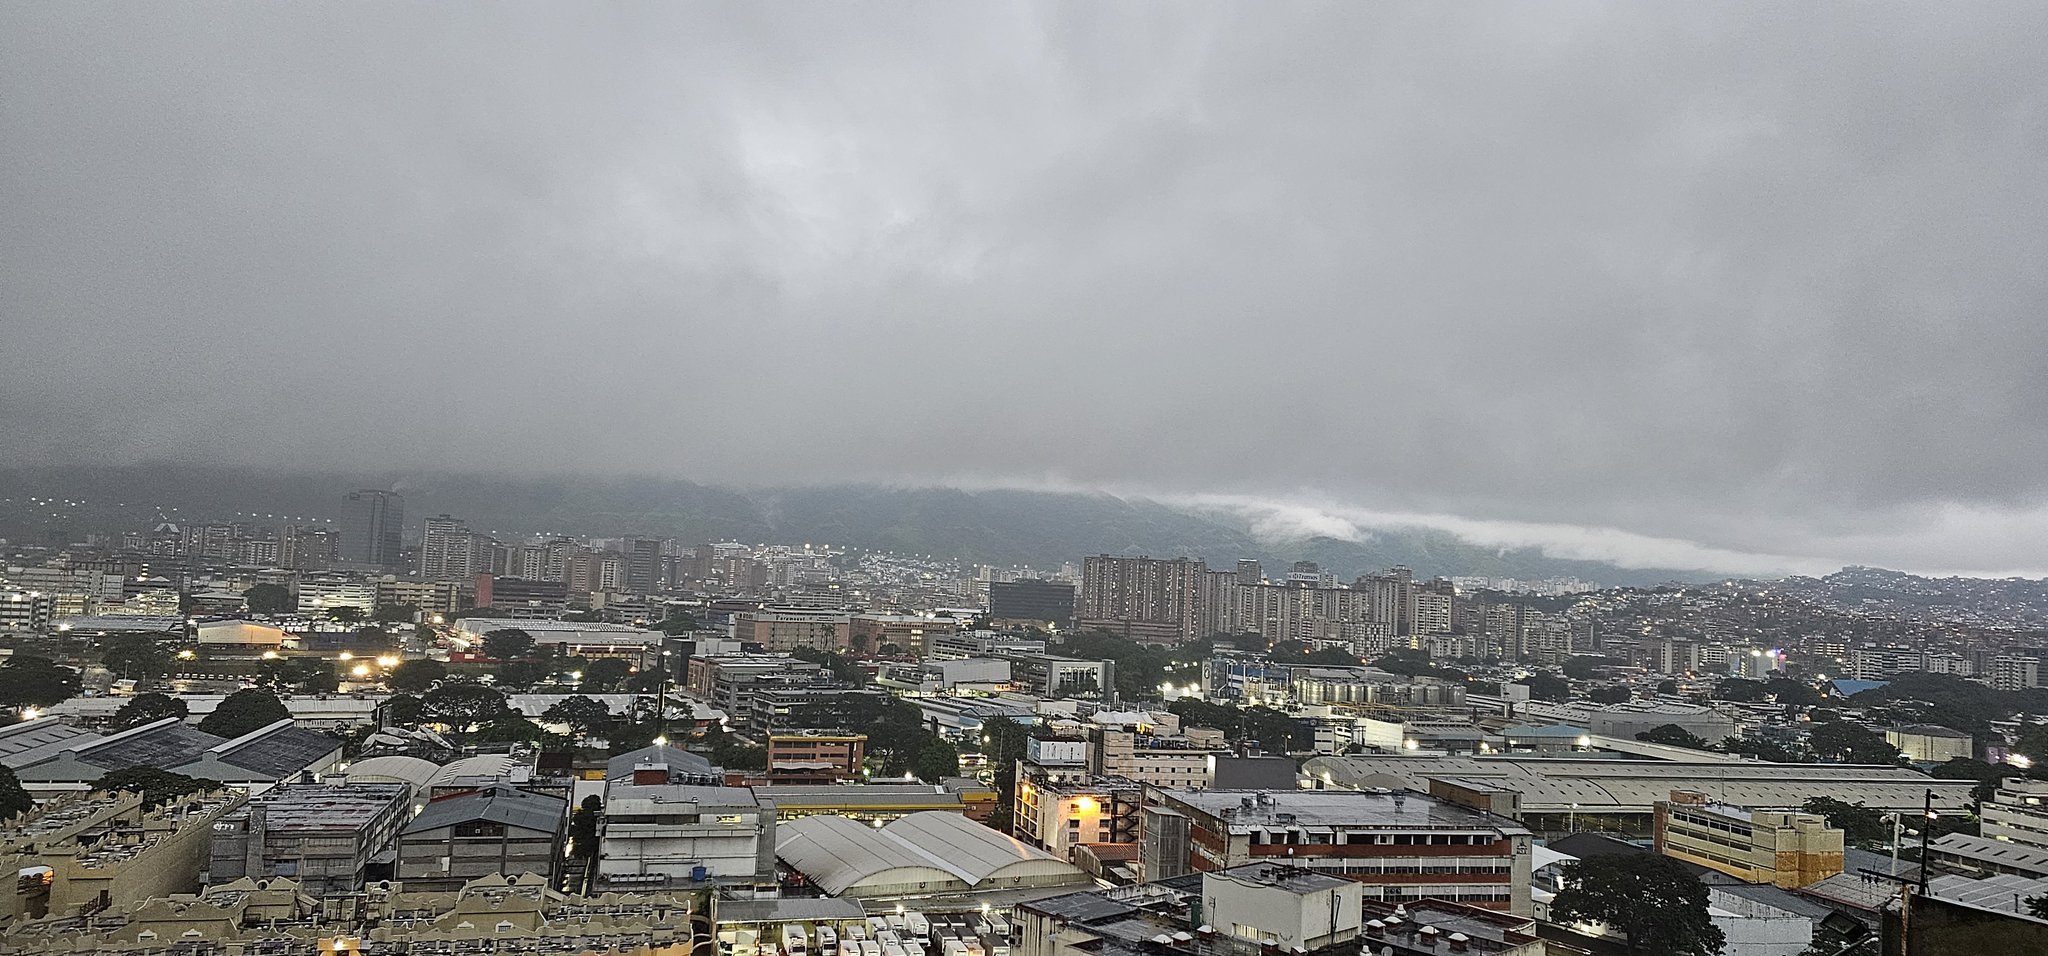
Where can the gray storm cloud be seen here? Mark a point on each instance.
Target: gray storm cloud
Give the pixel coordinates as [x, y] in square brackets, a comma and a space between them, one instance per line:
[1757, 279]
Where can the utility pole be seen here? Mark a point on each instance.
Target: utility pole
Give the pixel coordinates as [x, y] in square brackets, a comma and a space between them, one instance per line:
[1925, 831]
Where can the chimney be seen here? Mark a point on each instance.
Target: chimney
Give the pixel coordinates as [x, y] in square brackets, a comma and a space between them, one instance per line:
[650, 774]
[1460, 942]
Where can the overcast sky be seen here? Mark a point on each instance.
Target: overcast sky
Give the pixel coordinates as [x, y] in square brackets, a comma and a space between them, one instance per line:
[1764, 283]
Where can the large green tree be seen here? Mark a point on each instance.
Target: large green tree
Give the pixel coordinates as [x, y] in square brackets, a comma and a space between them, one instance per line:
[1843, 742]
[1003, 742]
[462, 705]
[1673, 735]
[1762, 749]
[507, 644]
[248, 709]
[27, 680]
[1609, 694]
[269, 599]
[510, 727]
[583, 828]
[585, 717]
[148, 708]
[1650, 897]
[135, 658]
[936, 761]
[1549, 687]
[13, 798]
[396, 613]
[603, 674]
[416, 676]
[345, 614]
[402, 710]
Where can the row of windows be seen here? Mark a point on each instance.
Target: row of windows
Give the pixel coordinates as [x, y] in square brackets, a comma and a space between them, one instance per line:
[1373, 839]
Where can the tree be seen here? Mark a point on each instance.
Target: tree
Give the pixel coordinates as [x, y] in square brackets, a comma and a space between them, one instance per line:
[417, 676]
[1987, 775]
[632, 735]
[519, 674]
[678, 622]
[1844, 742]
[1584, 666]
[2037, 907]
[1610, 694]
[157, 786]
[1673, 735]
[250, 708]
[269, 599]
[1739, 689]
[843, 668]
[135, 658]
[2033, 742]
[937, 761]
[403, 710]
[27, 680]
[345, 614]
[583, 828]
[1003, 742]
[1861, 826]
[1331, 657]
[740, 757]
[1794, 693]
[397, 613]
[509, 727]
[14, 799]
[148, 709]
[462, 705]
[1650, 897]
[1762, 749]
[315, 676]
[585, 717]
[509, 643]
[1548, 687]
[1667, 687]
[1414, 662]
[605, 673]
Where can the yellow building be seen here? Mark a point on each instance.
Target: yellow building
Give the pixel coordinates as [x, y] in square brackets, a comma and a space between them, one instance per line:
[85, 851]
[1783, 848]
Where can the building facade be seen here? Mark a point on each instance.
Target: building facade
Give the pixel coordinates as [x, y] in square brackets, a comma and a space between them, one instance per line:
[2017, 812]
[1782, 848]
[1152, 600]
[1401, 845]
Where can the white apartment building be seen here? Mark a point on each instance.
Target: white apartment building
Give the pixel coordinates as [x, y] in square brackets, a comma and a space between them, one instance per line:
[2017, 812]
[2015, 672]
[318, 596]
[659, 834]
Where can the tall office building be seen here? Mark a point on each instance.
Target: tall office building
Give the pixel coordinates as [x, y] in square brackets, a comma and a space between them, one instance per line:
[643, 565]
[1032, 600]
[1157, 600]
[371, 535]
[1249, 572]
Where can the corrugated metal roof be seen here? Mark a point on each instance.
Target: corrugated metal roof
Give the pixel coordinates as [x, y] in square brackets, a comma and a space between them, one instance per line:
[513, 808]
[927, 848]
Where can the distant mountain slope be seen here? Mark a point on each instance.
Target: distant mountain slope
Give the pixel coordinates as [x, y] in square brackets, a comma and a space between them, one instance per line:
[995, 527]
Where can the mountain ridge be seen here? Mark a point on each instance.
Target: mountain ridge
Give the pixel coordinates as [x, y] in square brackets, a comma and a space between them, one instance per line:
[990, 526]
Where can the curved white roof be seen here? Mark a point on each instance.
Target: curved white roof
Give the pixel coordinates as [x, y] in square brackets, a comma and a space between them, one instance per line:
[844, 857]
[977, 853]
[411, 771]
[481, 765]
[929, 852]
